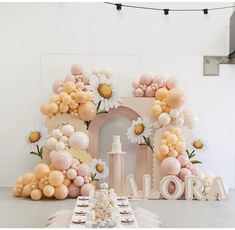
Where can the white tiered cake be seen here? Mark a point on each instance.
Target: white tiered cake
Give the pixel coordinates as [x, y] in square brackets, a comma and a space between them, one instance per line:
[116, 145]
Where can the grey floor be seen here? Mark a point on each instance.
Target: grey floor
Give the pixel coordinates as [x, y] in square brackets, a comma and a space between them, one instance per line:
[20, 212]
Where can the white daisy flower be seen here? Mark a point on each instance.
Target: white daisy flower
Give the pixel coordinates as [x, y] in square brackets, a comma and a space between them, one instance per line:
[105, 92]
[198, 144]
[99, 169]
[35, 138]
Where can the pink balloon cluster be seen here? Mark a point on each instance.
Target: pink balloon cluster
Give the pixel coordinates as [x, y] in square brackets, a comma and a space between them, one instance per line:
[75, 172]
[148, 85]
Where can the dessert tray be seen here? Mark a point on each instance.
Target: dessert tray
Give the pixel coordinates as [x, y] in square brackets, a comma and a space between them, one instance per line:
[123, 216]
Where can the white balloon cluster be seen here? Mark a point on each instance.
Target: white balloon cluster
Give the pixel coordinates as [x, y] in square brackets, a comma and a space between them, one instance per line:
[65, 137]
[207, 179]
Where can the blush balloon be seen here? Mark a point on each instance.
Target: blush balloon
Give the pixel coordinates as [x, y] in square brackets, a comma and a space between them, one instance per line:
[139, 92]
[61, 160]
[57, 85]
[184, 172]
[159, 80]
[79, 140]
[73, 191]
[86, 189]
[146, 79]
[149, 92]
[171, 83]
[79, 181]
[76, 69]
[71, 174]
[183, 159]
[83, 169]
[170, 166]
[135, 84]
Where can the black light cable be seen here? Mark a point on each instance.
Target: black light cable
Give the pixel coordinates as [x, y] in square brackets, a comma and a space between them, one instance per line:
[166, 11]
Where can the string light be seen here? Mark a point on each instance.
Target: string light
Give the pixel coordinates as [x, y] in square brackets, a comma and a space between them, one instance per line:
[119, 7]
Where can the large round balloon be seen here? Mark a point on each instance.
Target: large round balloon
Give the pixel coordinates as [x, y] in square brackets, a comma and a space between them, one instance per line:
[41, 170]
[56, 178]
[175, 98]
[87, 111]
[83, 169]
[79, 140]
[73, 191]
[170, 166]
[61, 160]
[164, 119]
[61, 192]
[86, 189]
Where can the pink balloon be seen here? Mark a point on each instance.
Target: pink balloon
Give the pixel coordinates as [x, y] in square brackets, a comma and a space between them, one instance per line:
[83, 169]
[75, 164]
[71, 174]
[183, 173]
[85, 79]
[183, 159]
[70, 78]
[139, 92]
[194, 169]
[86, 189]
[149, 92]
[135, 84]
[61, 160]
[79, 181]
[159, 80]
[171, 83]
[73, 191]
[170, 166]
[146, 79]
[76, 69]
[57, 84]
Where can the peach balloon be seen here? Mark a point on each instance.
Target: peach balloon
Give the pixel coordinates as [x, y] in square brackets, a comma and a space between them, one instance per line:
[63, 108]
[171, 83]
[156, 110]
[61, 160]
[57, 85]
[183, 159]
[172, 139]
[67, 182]
[79, 181]
[163, 149]
[61, 192]
[70, 78]
[81, 97]
[48, 190]
[36, 194]
[15, 192]
[139, 92]
[159, 80]
[166, 133]
[83, 169]
[26, 191]
[41, 170]
[80, 85]
[173, 153]
[73, 191]
[69, 86]
[170, 166]
[55, 98]
[180, 147]
[161, 94]
[184, 172]
[160, 156]
[135, 84]
[87, 111]
[45, 109]
[146, 79]
[71, 174]
[85, 79]
[27, 178]
[53, 108]
[56, 178]
[149, 92]
[175, 98]
[76, 69]
[86, 189]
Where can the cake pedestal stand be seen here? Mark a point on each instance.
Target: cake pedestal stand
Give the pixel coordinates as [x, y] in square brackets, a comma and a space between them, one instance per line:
[116, 171]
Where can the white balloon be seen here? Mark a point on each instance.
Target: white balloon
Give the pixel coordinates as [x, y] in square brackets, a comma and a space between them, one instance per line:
[56, 133]
[179, 121]
[164, 119]
[51, 142]
[64, 139]
[190, 119]
[60, 146]
[68, 130]
[174, 113]
[79, 140]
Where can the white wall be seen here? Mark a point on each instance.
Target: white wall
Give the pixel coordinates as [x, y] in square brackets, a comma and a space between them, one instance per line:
[38, 42]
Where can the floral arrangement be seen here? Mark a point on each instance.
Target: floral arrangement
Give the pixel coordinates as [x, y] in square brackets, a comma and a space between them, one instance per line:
[140, 132]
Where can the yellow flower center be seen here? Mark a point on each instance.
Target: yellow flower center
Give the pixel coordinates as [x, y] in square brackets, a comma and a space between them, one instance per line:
[198, 144]
[139, 129]
[99, 168]
[34, 136]
[105, 91]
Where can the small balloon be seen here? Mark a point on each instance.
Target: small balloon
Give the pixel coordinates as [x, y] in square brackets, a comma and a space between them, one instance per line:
[36, 194]
[56, 178]
[79, 140]
[76, 69]
[61, 192]
[41, 170]
[161, 94]
[48, 191]
[164, 119]
[145, 79]
[86, 189]
[87, 111]
[83, 169]
[73, 191]
[171, 83]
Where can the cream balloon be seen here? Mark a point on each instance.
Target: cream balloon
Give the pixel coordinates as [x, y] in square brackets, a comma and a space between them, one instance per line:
[164, 119]
[68, 130]
[79, 140]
